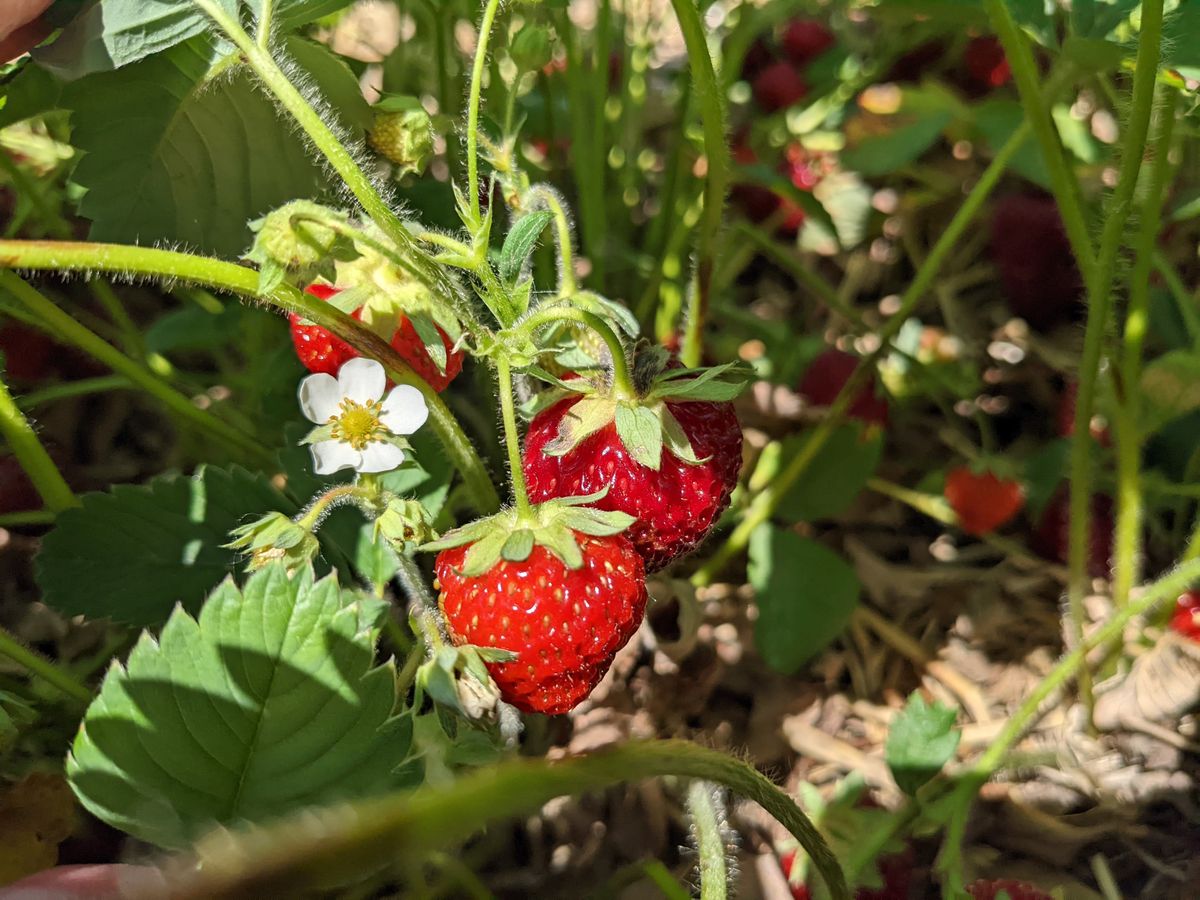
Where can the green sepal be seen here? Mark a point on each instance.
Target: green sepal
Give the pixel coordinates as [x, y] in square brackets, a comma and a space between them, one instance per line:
[609, 310]
[581, 421]
[596, 522]
[640, 429]
[676, 440]
[485, 552]
[427, 331]
[403, 521]
[518, 546]
[716, 384]
[270, 276]
[521, 295]
[318, 434]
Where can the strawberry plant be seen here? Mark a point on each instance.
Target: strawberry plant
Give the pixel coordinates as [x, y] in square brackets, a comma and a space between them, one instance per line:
[468, 448]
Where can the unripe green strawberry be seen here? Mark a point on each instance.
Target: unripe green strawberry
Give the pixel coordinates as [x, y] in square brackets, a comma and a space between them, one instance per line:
[402, 133]
[294, 236]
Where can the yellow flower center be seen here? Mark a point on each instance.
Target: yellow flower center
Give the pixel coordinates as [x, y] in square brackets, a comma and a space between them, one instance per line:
[358, 424]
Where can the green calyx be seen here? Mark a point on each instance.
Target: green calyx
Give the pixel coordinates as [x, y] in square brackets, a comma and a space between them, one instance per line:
[299, 239]
[645, 424]
[274, 537]
[511, 537]
[402, 522]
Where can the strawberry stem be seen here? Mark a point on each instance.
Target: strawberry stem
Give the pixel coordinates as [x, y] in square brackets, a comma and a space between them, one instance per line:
[622, 380]
[43, 668]
[481, 47]
[24, 443]
[512, 438]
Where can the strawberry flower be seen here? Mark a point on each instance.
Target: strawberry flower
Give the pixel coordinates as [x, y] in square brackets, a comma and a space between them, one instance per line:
[358, 427]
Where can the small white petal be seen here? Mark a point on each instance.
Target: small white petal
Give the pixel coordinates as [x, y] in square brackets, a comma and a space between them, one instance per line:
[378, 456]
[320, 396]
[404, 410]
[331, 456]
[362, 380]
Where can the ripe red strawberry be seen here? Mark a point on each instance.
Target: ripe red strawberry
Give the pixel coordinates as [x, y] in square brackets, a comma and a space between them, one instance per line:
[982, 501]
[805, 39]
[26, 351]
[1016, 890]
[564, 624]
[675, 507]
[1186, 618]
[321, 351]
[823, 381]
[1052, 538]
[986, 62]
[1038, 274]
[779, 86]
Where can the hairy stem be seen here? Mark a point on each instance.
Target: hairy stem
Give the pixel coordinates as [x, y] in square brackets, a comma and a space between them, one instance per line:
[215, 273]
[622, 380]
[702, 804]
[24, 443]
[765, 503]
[562, 227]
[512, 436]
[282, 860]
[43, 668]
[481, 47]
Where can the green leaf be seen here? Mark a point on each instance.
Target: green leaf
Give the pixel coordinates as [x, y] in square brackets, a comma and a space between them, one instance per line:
[997, 119]
[885, 153]
[520, 242]
[430, 337]
[134, 553]
[805, 593]
[835, 477]
[1094, 54]
[921, 741]
[1043, 473]
[267, 703]
[1036, 17]
[1170, 388]
[1180, 46]
[29, 91]
[1096, 18]
[195, 328]
[640, 430]
[171, 156]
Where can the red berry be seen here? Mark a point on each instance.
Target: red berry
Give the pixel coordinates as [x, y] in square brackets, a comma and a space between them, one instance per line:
[26, 351]
[675, 507]
[565, 625]
[1186, 618]
[799, 890]
[896, 870]
[17, 493]
[983, 502]
[805, 39]
[1052, 538]
[1038, 274]
[321, 351]
[986, 62]
[779, 86]
[823, 381]
[1016, 890]
[758, 57]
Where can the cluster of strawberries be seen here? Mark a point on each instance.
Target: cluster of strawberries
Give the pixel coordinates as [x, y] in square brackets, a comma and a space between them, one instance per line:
[563, 587]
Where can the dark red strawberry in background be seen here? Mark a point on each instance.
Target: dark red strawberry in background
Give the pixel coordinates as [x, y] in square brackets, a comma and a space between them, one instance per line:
[1052, 537]
[779, 86]
[1016, 890]
[1065, 417]
[675, 505]
[1185, 620]
[17, 493]
[565, 607]
[321, 351]
[27, 351]
[803, 40]
[824, 378]
[983, 501]
[986, 63]
[1029, 247]
[758, 57]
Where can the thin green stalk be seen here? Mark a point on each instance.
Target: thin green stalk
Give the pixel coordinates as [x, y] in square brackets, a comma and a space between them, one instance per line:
[1074, 663]
[64, 327]
[67, 389]
[214, 273]
[42, 668]
[27, 517]
[512, 436]
[284, 860]
[562, 228]
[1185, 301]
[481, 45]
[763, 506]
[266, 11]
[24, 443]
[1127, 536]
[622, 379]
[712, 115]
[702, 804]
[322, 136]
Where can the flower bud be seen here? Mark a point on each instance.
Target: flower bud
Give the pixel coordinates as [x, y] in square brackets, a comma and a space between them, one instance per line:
[403, 521]
[402, 133]
[273, 537]
[531, 49]
[295, 236]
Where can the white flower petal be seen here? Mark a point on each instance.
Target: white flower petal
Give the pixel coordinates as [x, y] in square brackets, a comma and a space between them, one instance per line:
[362, 380]
[331, 456]
[320, 396]
[379, 456]
[404, 410]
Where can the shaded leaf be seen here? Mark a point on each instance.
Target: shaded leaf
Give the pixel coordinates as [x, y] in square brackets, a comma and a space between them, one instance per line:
[266, 703]
[520, 242]
[836, 475]
[921, 741]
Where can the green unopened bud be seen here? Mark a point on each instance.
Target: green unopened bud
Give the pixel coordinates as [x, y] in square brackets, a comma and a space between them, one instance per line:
[273, 537]
[295, 236]
[403, 522]
[531, 49]
[402, 133]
